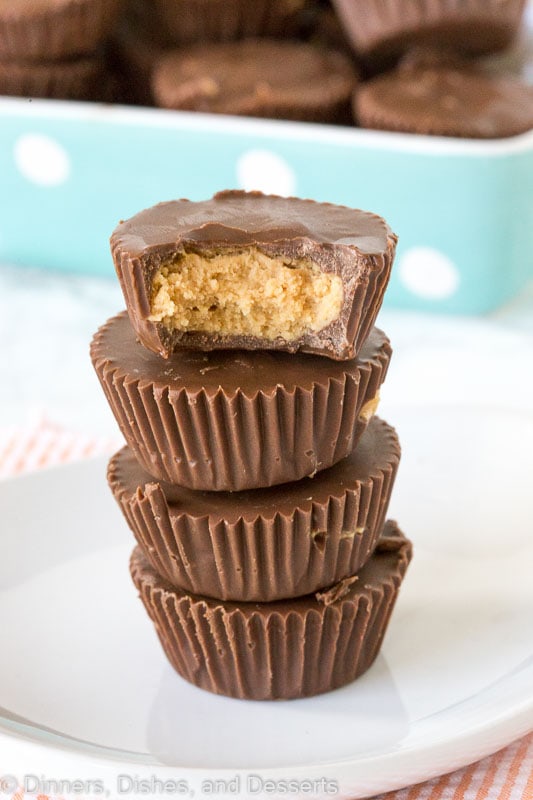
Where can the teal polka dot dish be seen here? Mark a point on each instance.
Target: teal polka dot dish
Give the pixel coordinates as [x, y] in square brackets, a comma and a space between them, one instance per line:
[463, 209]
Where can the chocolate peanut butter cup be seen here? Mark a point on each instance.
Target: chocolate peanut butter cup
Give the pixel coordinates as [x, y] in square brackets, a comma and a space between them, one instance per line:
[74, 79]
[255, 272]
[279, 79]
[186, 21]
[35, 30]
[232, 420]
[281, 650]
[380, 32]
[445, 100]
[263, 544]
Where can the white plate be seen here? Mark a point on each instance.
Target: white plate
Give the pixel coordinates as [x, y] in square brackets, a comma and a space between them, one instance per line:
[86, 693]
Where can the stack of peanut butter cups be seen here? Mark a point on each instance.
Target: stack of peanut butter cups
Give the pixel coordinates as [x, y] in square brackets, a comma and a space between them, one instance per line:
[256, 478]
[55, 48]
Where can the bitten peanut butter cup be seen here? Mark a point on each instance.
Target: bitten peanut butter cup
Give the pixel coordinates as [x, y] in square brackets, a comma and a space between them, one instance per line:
[250, 271]
[380, 32]
[35, 30]
[281, 650]
[232, 420]
[279, 79]
[264, 544]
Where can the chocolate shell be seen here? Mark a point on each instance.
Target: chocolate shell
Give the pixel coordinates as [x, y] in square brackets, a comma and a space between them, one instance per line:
[347, 253]
[232, 420]
[244, 78]
[36, 30]
[187, 21]
[75, 79]
[282, 650]
[444, 100]
[263, 544]
[381, 32]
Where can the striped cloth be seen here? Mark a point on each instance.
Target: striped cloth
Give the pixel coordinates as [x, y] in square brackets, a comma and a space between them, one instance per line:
[44, 444]
[506, 775]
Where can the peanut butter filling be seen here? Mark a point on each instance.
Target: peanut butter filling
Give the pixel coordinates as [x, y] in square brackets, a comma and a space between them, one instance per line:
[245, 293]
[369, 409]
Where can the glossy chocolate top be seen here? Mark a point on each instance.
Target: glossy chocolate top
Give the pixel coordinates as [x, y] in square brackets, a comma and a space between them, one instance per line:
[246, 219]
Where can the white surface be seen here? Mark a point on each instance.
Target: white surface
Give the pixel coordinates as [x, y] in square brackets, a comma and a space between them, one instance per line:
[455, 678]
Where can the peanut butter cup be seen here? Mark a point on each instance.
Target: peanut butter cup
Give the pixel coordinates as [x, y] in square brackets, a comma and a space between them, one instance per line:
[281, 650]
[280, 79]
[233, 420]
[382, 31]
[263, 544]
[443, 100]
[35, 30]
[185, 21]
[72, 79]
[255, 272]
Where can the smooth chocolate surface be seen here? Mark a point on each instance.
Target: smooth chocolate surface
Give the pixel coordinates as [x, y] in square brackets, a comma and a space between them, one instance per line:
[263, 544]
[355, 245]
[232, 420]
[258, 78]
[255, 650]
[445, 101]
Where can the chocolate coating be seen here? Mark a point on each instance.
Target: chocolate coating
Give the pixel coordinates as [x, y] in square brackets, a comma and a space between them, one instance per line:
[383, 31]
[263, 544]
[256, 650]
[232, 420]
[46, 30]
[202, 21]
[356, 245]
[73, 79]
[257, 78]
[445, 101]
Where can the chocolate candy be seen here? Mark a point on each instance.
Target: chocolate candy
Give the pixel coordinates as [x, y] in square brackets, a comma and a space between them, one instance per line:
[245, 78]
[76, 78]
[282, 650]
[232, 420]
[183, 21]
[444, 100]
[254, 272]
[380, 32]
[48, 30]
[263, 544]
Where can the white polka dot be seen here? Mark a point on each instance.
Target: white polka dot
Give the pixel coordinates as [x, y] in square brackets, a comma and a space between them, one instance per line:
[429, 273]
[266, 172]
[41, 159]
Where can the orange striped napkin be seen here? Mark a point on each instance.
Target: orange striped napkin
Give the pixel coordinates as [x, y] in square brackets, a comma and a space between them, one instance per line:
[506, 775]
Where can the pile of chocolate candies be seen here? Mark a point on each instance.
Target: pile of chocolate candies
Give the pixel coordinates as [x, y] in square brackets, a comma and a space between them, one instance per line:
[244, 376]
[344, 62]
